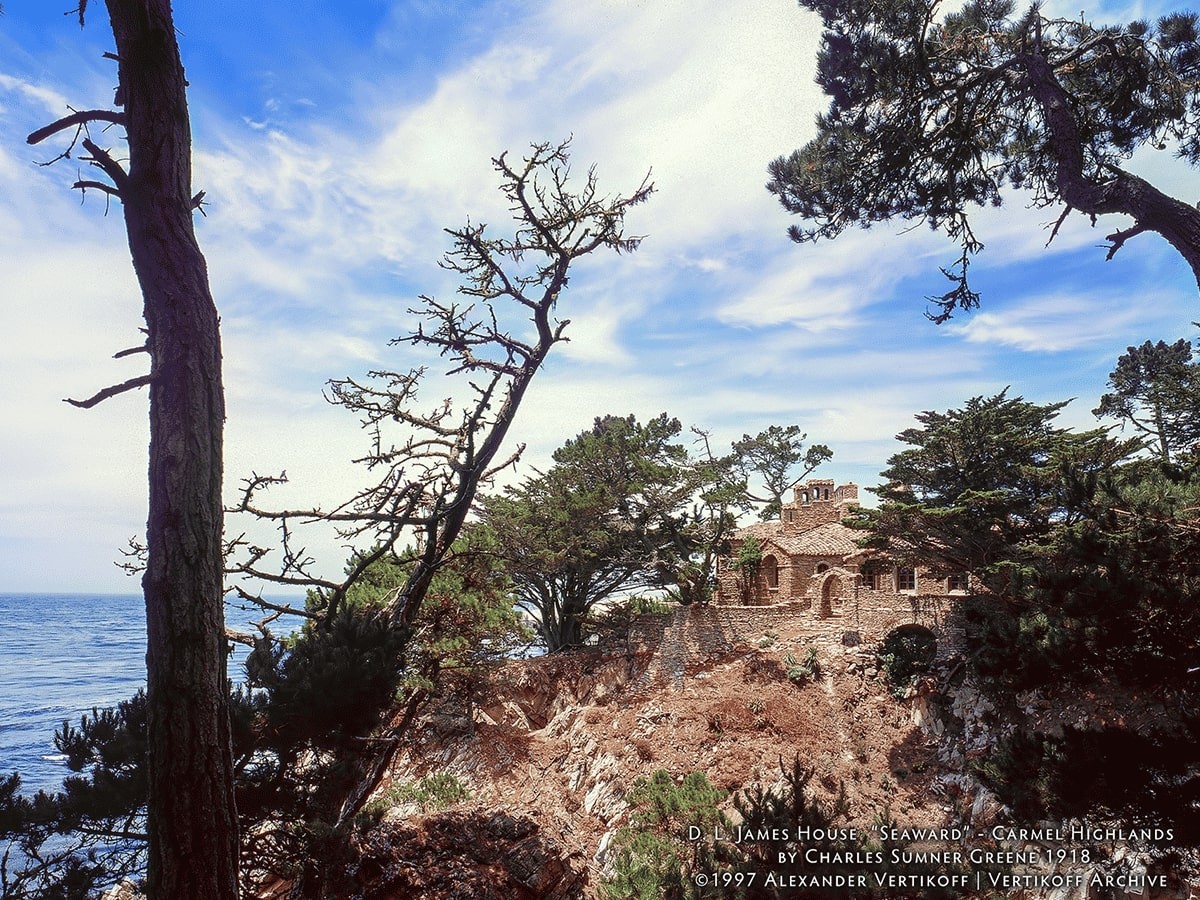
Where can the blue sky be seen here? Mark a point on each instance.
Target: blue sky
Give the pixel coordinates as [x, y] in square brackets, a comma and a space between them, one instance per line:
[334, 141]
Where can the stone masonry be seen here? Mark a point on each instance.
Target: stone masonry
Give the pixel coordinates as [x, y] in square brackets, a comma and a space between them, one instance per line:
[813, 568]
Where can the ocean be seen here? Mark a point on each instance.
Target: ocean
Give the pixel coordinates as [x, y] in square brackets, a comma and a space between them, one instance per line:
[61, 655]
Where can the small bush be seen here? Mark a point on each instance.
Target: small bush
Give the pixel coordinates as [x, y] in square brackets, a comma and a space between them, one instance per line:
[654, 856]
[905, 653]
[640, 605]
[433, 792]
[803, 672]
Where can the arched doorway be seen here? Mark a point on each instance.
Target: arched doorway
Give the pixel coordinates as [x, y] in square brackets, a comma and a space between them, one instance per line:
[831, 590]
[770, 576]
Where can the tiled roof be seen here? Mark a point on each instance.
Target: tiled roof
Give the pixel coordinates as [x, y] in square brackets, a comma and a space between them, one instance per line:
[830, 539]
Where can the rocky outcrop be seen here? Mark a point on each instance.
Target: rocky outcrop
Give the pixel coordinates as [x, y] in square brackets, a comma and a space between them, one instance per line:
[464, 853]
[559, 741]
[550, 755]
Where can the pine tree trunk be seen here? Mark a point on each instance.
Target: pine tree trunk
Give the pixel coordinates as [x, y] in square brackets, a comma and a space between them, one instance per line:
[193, 835]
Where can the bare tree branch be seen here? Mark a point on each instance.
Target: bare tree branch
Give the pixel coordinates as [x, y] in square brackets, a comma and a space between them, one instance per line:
[77, 119]
[99, 186]
[101, 396]
[1118, 238]
[120, 354]
[103, 161]
[428, 475]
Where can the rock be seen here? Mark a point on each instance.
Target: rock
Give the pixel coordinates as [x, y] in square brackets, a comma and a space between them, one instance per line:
[485, 855]
[126, 890]
[986, 809]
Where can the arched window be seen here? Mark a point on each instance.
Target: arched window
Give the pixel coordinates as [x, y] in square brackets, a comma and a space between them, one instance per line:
[770, 570]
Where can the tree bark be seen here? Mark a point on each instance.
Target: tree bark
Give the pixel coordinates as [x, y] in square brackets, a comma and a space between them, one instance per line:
[1151, 209]
[193, 837]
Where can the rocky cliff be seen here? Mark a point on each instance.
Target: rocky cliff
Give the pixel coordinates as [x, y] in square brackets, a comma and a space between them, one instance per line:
[551, 747]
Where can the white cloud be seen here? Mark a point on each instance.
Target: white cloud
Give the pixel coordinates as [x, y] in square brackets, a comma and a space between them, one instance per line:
[1052, 323]
[50, 100]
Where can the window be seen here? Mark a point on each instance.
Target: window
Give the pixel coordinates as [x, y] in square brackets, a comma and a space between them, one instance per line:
[822, 567]
[906, 578]
[870, 580]
[957, 581]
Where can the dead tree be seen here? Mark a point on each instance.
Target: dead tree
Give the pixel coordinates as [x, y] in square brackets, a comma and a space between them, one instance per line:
[427, 464]
[192, 824]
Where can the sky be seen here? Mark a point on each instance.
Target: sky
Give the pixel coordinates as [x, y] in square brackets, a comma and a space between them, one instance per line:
[335, 141]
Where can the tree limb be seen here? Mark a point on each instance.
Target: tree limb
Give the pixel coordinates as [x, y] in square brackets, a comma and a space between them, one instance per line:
[80, 118]
[1118, 238]
[99, 397]
[102, 160]
[99, 186]
[145, 348]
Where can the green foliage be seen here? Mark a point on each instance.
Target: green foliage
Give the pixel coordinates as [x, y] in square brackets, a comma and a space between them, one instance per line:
[803, 672]
[578, 534]
[626, 506]
[1155, 388]
[299, 732]
[622, 620]
[934, 115]
[748, 563]
[433, 792]
[778, 458]
[791, 809]
[1144, 780]
[982, 486]
[641, 605]
[611, 515]
[654, 856]
[82, 839]
[1111, 597]
[749, 555]
[905, 653]
[333, 682]
[1092, 563]
[657, 856]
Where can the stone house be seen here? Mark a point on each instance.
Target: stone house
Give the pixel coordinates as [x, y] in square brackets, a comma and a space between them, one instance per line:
[810, 559]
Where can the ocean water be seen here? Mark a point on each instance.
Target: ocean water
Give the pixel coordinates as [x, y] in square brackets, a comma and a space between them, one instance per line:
[61, 655]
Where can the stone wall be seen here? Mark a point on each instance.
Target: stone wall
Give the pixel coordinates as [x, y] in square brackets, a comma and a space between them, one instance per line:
[691, 633]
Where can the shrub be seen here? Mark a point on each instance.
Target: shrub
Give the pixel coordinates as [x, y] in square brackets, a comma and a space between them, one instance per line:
[1088, 772]
[653, 856]
[802, 672]
[433, 792]
[906, 652]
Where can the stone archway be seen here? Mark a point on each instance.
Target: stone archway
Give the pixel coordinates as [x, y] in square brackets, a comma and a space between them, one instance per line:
[830, 591]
